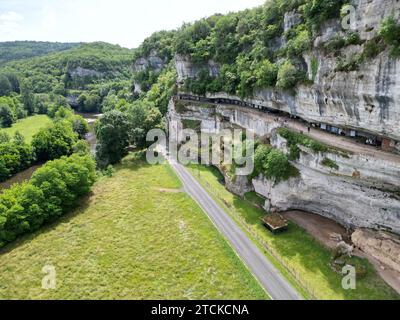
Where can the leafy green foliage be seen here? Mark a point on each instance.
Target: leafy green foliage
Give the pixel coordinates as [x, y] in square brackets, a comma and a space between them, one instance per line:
[52, 191]
[288, 75]
[54, 141]
[272, 164]
[15, 156]
[5, 86]
[318, 11]
[112, 132]
[294, 139]
[330, 163]
[390, 32]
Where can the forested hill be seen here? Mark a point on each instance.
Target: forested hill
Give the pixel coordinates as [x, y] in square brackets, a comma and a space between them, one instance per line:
[19, 50]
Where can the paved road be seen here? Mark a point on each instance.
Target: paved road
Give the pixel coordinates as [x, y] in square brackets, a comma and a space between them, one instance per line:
[269, 277]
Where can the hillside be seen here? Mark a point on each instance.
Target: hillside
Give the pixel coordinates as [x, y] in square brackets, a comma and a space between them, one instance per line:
[20, 50]
[73, 69]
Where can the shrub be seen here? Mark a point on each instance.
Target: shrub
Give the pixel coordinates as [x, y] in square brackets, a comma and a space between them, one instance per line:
[7, 117]
[288, 75]
[15, 156]
[353, 38]
[277, 167]
[390, 32]
[330, 164]
[55, 141]
[52, 191]
[373, 47]
[294, 139]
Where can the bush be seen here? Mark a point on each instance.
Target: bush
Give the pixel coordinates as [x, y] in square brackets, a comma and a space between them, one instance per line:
[288, 75]
[330, 164]
[52, 191]
[390, 32]
[15, 156]
[7, 117]
[273, 164]
[112, 132]
[277, 167]
[55, 141]
[294, 139]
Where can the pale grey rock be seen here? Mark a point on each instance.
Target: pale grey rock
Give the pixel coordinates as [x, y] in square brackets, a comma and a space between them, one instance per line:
[291, 19]
[80, 72]
[153, 62]
[187, 69]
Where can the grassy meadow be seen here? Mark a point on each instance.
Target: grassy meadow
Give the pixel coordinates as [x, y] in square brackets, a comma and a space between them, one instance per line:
[28, 127]
[137, 236]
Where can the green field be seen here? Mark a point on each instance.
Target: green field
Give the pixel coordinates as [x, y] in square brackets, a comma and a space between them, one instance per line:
[299, 250]
[28, 127]
[138, 236]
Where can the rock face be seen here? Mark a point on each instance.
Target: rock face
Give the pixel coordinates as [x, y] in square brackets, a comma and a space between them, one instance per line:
[366, 100]
[363, 192]
[153, 62]
[383, 247]
[291, 20]
[186, 69]
[80, 72]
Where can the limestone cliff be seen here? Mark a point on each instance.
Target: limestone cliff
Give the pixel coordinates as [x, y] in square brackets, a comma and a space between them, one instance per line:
[367, 99]
[361, 192]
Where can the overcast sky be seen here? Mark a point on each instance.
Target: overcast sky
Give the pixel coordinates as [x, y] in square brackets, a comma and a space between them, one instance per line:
[124, 22]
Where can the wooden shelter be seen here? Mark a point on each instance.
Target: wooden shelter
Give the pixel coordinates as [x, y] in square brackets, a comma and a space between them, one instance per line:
[275, 223]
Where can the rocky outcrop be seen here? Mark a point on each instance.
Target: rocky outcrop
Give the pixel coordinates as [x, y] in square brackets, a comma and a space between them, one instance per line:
[153, 62]
[382, 246]
[291, 20]
[80, 72]
[187, 69]
[367, 99]
[339, 199]
[361, 192]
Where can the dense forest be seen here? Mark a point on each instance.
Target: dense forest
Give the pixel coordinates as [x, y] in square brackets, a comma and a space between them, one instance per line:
[19, 50]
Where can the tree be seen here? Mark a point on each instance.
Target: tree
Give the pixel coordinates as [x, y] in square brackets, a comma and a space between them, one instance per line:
[80, 126]
[287, 75]
[5, 86]
[390, 32]
[277, 166]
[112, 131]
[28, 99]
[266, 74]
[7, 117]
[4, 137]
[18, 139]
[54, 141]
[14, 81]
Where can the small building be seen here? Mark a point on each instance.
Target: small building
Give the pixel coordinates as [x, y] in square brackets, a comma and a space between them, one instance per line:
[275, 223]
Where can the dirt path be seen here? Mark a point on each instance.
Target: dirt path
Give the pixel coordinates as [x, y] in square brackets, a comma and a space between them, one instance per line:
[345, 143]
[319, 227]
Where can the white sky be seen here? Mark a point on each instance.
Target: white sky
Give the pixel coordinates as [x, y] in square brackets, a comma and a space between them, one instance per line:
[124, 22]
